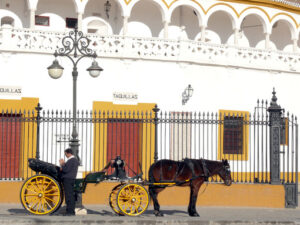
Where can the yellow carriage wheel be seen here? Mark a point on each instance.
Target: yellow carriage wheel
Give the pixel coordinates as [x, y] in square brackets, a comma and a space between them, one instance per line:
[113, 200]
[41, 195]
[132, 199]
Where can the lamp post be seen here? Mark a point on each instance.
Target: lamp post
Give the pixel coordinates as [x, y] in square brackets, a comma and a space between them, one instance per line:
[75, 47]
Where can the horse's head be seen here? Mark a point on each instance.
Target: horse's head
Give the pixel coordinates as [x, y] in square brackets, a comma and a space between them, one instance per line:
[225, 173]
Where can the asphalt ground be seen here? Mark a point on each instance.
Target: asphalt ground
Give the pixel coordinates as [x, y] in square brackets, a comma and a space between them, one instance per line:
[102, 214]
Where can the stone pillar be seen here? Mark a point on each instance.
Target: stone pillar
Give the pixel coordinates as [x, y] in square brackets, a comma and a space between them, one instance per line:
[203, 29]
[166, 29]
[79, 21]
[295, 45]
[275, 125]
[236, 36]
[267, 41]
[32, 19]
[125, 25]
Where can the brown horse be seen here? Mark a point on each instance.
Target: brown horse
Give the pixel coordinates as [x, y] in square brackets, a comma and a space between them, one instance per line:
[189, 172]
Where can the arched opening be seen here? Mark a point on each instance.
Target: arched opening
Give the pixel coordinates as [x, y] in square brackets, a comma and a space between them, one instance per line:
[220, 23]
[147, 12]
[15, 9]
[112, 15]
[252, 28]
[281, 34]
[185, 18]
[96, 25]
[7, 20]
[59, 17]
[210, 37]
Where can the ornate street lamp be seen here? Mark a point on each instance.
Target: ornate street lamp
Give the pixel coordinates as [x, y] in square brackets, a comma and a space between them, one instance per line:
[187, 94]
[75, 47]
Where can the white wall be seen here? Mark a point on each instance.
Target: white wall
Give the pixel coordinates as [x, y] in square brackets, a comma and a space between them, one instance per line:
[155, 82]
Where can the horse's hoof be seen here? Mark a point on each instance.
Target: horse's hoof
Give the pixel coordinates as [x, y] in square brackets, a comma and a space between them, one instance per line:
[194, 214]
[158, 213]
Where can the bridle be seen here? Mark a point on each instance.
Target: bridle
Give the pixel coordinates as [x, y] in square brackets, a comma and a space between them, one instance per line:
[227, 171]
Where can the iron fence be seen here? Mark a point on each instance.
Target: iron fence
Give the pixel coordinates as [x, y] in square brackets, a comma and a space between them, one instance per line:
[142, 137]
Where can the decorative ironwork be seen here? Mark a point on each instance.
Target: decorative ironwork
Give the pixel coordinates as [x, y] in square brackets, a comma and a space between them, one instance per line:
[75, 47]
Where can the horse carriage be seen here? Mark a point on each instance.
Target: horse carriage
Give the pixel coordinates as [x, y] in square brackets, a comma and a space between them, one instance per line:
[43, 194]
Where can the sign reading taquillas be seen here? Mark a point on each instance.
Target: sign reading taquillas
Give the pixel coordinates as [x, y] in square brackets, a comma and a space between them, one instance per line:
[10, 90]
[125, 97]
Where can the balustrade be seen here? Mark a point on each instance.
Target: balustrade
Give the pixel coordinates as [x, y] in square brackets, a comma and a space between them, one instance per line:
[46, 42]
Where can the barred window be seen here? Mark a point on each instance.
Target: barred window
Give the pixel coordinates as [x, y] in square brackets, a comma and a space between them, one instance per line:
[42, 20]
[71, 22]
[233, 135]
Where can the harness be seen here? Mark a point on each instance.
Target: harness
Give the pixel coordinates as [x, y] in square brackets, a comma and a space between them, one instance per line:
[205, 170]
[180, 167]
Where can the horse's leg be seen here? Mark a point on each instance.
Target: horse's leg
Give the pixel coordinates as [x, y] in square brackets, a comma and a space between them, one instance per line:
[193, 197]
[153, 194]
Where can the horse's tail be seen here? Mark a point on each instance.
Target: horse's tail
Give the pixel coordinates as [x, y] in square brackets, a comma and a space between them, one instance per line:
[150, 173]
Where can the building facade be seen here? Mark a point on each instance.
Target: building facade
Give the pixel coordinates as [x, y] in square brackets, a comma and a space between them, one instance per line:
[230, 53]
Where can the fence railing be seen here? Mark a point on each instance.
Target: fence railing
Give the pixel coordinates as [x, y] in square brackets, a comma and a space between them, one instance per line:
[140, 137]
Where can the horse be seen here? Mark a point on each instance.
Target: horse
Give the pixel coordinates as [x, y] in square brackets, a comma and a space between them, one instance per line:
[189, 172]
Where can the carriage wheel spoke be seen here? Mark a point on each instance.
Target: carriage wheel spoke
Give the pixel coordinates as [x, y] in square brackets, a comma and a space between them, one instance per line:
[50, 199]
[47, 186]
[53, 189]
[48, 204]
[51, 194]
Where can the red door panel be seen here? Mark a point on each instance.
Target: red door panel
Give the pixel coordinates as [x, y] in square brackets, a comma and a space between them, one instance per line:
[10, 128]
[123, 139]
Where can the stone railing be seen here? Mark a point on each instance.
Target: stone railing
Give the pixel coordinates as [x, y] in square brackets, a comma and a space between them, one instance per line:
[180, 51]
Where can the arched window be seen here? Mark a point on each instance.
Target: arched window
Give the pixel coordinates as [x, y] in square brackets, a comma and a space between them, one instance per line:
[7, 20]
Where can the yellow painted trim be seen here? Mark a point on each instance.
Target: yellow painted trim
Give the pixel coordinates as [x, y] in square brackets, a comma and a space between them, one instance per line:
[28, 130]
[235, 157]
[286, 121]
[214, 5]
[100, 132]
[253, 7]
[267, 3]
[127, 2]
[285, 14]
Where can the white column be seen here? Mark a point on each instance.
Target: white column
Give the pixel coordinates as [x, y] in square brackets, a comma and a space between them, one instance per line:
[203, 29]
[295, 45]
[79, 21]
[166, 29]
[32, 19]
[125, 25]
[236, 36]
[6, 36]
[267, 40]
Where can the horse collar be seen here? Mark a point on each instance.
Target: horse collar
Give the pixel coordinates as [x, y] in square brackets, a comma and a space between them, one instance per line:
[205, 169]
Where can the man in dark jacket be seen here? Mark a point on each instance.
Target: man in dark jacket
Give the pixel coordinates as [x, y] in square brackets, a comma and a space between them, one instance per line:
[69, 172]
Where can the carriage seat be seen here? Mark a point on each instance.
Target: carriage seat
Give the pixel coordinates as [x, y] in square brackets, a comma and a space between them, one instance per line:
[44, 168]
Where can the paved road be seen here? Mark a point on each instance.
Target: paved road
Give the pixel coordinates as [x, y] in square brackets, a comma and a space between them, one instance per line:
[102, 214]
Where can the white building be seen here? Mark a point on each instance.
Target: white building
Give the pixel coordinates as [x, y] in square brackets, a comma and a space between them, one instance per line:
[231, 53]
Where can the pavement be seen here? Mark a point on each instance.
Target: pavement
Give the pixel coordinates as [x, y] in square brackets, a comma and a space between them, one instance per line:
[102, 214]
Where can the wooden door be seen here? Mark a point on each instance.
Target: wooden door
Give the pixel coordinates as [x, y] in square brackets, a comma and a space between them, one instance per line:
[10, 133]
[123, 139]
